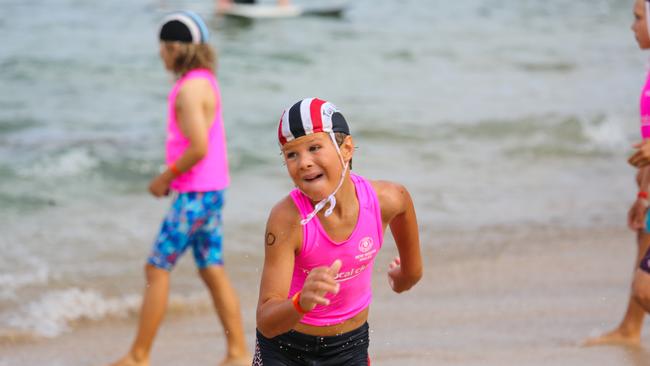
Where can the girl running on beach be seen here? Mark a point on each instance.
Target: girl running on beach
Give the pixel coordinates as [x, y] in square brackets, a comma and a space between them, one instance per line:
[629, 330]
[321, 242]
[197, 170]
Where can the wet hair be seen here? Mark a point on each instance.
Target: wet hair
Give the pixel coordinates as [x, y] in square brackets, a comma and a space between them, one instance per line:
[185, 34]
[340, 139]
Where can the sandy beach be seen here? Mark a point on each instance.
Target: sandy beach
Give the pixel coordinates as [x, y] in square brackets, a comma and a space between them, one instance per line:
[524, 296]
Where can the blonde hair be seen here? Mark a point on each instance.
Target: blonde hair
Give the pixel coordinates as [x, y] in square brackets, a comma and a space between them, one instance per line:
[190, 56]
[340, 139]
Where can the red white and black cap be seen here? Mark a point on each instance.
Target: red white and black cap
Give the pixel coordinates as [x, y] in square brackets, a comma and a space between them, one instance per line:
[308, 116]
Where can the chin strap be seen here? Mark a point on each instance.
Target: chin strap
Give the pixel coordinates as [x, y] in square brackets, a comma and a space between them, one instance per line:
[331, 199]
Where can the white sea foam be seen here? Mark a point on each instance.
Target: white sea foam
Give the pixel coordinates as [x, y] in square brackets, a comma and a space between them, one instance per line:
[69, 163]
[14, 276]
[607, 133]
[54, 312]
[11, 281]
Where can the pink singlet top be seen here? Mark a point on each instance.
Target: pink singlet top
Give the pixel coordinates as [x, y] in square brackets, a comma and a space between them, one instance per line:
[211, 173]
[645, 109]
[357, 254]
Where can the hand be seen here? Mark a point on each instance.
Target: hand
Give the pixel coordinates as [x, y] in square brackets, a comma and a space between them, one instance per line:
[394, 272]
[637, 214]
[159, 186]
[319, 282]
[641, 157]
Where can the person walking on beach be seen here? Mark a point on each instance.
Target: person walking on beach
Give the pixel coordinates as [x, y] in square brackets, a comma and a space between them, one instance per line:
[629, 330]
[316, 282]
[197, 170]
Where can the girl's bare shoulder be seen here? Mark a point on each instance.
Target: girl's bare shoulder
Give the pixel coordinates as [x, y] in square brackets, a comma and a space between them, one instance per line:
[284, 219]
[393, 197]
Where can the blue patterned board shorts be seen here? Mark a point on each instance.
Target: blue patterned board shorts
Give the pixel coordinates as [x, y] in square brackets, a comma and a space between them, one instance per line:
[193, 220]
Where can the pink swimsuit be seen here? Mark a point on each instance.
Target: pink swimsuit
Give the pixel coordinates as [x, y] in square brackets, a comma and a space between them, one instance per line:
[211, 173]
[645, 109]
[357, 254]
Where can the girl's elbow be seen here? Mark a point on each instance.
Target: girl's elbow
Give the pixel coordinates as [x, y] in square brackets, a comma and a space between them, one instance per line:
[417, 278]
[263, 330]
[414, 277]
[265, 327]
[269, 334]
[267, 330]
[419, 274]
[198, 149]
[200, 152]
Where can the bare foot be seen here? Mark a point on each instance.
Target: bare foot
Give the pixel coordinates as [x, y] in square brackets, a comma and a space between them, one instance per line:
[237, 361]
[616, 336]
[128, 360]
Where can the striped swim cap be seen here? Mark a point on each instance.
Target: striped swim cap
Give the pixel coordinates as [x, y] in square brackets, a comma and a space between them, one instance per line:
[184, 26]
[308, 116]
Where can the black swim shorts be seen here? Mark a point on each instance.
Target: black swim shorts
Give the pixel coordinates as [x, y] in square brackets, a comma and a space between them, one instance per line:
[298, 349]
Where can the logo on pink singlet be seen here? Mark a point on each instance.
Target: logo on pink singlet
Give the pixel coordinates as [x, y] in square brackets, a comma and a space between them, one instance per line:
[365, 244]
[366, 248]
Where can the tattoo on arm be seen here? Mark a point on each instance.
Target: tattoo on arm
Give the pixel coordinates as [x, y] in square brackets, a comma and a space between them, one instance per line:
[270, 239]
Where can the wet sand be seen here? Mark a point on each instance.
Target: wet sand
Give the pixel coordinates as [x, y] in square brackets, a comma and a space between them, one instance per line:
[498, 296]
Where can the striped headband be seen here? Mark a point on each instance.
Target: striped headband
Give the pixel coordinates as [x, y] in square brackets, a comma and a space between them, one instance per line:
[308, 116]
[184, 26]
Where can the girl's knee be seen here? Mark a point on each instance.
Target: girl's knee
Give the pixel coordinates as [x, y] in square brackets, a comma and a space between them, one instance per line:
[153, 273]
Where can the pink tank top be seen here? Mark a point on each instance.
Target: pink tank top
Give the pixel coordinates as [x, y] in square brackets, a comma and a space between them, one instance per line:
[645, 109]
[211, 173]
[357, 254]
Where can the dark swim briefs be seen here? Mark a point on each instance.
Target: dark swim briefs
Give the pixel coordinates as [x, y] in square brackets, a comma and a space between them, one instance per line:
[298, 349]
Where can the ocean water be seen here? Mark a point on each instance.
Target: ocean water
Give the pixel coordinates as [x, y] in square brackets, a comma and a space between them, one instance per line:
[493, 113]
